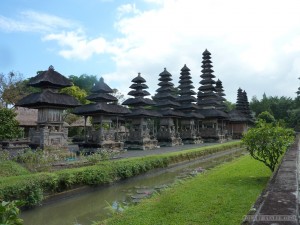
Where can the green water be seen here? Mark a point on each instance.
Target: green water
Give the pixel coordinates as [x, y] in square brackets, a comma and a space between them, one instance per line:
[94, 206]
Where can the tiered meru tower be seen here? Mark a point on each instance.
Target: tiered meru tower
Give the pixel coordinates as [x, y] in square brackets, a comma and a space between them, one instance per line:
[165, 99]
[50, 104]
[209, 102]
[240, 118]
[188, 131]
[105, 115]
[142, 130]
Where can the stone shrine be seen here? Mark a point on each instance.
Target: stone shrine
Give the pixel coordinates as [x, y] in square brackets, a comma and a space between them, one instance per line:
[142, 133]
[168, 134]
[50, 104]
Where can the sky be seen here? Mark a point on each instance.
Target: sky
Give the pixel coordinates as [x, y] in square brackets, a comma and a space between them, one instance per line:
[254, 44]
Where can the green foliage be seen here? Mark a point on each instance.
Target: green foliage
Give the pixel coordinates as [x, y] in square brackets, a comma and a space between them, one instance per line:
[267, 142]
[9, 213]
[31, 188]
[38, 160]
[267, 117]
[276, 106]
[9, 126]
[84, 81]
[99, 155]
[222, 195]
[229, 106]
[9, 168]
[76, 92]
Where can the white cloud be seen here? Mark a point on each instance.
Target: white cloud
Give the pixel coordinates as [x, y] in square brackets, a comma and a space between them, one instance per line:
[76, 45]
[247, 40]
[32, 21]
[127, 9]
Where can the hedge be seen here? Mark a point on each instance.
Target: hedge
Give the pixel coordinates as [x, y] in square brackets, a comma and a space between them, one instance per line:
[33, 188]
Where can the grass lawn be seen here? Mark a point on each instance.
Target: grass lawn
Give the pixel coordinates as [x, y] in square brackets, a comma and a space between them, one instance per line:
[221, 196]
[10, 168]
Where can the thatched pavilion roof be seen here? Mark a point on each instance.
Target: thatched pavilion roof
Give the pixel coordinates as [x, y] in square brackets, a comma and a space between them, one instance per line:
[48, 98]
[50, 79]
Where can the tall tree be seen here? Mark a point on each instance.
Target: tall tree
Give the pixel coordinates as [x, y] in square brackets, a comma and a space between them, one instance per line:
[9, 126]
[84, 81]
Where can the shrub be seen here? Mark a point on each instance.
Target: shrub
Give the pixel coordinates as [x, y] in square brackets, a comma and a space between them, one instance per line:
[9, 213]
[267, 142]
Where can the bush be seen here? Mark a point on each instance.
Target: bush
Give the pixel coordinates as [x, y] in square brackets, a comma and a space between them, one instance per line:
[9, 213]
[267, 142]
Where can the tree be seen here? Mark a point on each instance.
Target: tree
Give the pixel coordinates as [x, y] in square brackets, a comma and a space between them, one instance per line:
[9, 126]
[229, 106]
[267, 117]
[118, 95]
[267, 142]
[76, 92]
[84, 81]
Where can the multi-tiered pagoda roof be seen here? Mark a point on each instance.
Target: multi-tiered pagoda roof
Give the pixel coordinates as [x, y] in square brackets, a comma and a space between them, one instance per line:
[104, 102]
[166, 98]
[221, 94]
[139, 101]
[242, 112]
[207, 95]
[186, 93]
[50, 81]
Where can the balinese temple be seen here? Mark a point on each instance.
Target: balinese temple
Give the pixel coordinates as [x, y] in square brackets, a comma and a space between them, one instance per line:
[168, 134]
[213, 128]
[50, 130]
[221, 99]
[189, 123]
[105, 114]
[142, 131]
[240, 118]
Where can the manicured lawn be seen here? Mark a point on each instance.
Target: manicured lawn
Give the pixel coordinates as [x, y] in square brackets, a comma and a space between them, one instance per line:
[221, 196]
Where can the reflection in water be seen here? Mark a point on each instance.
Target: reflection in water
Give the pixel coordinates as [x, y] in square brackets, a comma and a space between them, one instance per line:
[97, 204]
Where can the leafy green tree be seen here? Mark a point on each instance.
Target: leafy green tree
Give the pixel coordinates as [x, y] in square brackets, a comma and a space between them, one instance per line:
[76, 92]
[267, 142]
[9, 126]
[267, 117]
[229, 106]
[84, 81]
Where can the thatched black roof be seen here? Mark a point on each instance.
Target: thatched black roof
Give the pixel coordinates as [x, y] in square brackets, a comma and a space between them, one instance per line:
[138, 79]
[172, 113]
[101, 97]
[213, 113]
[187, 107]
[48, 98]
[139, 101]
[140, 112]
[101, 87]
[50, 79]
[100, 108]
[167, 103]
[194, 115]
[237, 116]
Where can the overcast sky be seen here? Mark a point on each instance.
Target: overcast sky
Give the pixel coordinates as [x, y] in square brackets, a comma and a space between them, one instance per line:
[254, 44]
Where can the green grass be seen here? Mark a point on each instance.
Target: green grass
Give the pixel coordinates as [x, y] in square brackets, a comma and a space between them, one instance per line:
[10, 168]
[221, 196]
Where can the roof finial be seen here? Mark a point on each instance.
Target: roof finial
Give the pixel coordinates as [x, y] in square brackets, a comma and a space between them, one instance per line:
[101, 80]
[139, 74]
[51, 68]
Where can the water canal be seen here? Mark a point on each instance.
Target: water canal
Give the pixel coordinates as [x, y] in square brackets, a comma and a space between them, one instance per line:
[95, 203]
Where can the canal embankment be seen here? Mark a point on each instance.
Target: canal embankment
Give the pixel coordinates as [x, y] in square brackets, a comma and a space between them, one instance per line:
[36, 187]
